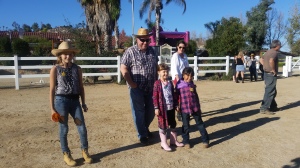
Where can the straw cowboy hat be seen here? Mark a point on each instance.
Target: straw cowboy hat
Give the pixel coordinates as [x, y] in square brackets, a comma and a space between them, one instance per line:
[64, 47]
[142, 33]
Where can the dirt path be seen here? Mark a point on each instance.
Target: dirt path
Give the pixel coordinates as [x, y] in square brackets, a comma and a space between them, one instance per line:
[240, 136]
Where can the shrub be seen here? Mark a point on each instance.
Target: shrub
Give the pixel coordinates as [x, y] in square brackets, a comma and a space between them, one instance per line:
[5, 45]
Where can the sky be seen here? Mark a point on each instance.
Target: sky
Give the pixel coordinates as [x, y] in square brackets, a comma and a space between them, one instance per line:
[198, 13]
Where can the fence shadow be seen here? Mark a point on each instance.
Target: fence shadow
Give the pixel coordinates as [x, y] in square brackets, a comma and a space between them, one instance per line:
[229, 133]
[291, 105]
[296, 163]
[230, 108]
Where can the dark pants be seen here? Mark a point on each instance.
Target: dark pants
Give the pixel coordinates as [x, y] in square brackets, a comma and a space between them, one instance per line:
[268, 101]
[252, 73]
[186, 127]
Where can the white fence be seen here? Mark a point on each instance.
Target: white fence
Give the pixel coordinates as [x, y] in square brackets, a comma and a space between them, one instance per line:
[291, 64]
[225, 64]
[17, 76]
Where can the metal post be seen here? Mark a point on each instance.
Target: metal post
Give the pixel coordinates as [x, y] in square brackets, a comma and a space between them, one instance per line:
[132, 11]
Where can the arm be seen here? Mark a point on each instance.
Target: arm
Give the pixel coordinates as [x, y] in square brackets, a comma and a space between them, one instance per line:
[52, 89]
[82, 93]
[127, 77]
[272, 65]
[261, 61]
[155, 98]
[174, 63]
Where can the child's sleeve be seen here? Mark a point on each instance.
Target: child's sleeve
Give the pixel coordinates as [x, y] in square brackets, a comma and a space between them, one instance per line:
[155, 95]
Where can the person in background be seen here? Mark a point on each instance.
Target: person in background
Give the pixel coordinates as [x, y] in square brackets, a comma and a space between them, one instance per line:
[179, 61]
[233, 67]
[65, 90]
[240, 68]
[270, 63]
[138, 67]
[164, 104]
[252, 67]
[190, 106]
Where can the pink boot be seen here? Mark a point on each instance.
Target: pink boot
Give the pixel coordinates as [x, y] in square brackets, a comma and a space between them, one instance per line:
[173, 139]
[164, 145]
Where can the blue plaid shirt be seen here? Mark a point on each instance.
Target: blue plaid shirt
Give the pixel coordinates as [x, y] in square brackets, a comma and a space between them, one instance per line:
[142, 66]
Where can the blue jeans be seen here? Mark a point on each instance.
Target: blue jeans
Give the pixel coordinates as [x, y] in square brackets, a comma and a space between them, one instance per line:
[186, 127]
[142, 110]
[268, 101]
[65, 106]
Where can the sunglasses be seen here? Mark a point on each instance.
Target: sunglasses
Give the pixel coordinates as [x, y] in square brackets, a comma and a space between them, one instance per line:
[181, 47]
[144, 40]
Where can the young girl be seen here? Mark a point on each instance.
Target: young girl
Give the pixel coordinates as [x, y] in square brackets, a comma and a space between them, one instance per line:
[190, 105]
[65, 89]
[240, 68]
[164, 104]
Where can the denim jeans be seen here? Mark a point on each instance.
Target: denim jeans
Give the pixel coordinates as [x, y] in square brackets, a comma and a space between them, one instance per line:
[186, 127]
[142, 110]
[65, 106]
[268, 101]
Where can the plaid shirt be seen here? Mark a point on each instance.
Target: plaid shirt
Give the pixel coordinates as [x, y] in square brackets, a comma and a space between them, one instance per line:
[141, 66]
[189, 100]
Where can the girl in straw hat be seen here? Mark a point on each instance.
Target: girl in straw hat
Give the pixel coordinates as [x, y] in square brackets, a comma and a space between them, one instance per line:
[65, 90]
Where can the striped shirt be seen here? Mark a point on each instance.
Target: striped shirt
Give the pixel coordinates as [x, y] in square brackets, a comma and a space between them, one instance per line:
[141, 66]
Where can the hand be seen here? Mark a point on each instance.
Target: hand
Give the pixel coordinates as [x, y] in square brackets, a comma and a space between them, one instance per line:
[274, 73]
[85, 108]
[52, 112]
[133, 85]
[157, 112]
[177, 109]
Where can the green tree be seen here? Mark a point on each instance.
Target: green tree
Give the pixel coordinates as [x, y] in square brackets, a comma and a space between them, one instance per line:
[5, 45]
[293, 31]
[20, 47]
[157, 6]
[257, 24]
[35, 27]
[26, 28]
[101, 16]
[228, 38]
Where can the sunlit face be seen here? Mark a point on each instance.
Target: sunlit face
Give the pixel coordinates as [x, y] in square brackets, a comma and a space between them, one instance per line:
[163, 74]
[67, 57]
[143, 42]
[180, 48]
[188, 77]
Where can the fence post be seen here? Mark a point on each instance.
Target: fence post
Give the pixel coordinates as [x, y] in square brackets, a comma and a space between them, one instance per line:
[227, 64]
[119, 68]
[16, 65]
[195, 68]
[159, 59]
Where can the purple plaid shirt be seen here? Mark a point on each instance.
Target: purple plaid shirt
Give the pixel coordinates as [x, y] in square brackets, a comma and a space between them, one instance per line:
[141, 66]
[189, 100]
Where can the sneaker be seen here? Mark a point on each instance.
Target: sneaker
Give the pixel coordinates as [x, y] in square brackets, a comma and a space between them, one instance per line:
[205, 144]
[267, 112]
[144, 141]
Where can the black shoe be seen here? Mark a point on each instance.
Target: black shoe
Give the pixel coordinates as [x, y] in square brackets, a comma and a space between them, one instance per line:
[150, 135]
[275, 109]
[144, 141]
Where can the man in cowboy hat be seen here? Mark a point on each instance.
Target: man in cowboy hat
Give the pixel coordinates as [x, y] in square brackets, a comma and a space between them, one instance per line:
[138, 66]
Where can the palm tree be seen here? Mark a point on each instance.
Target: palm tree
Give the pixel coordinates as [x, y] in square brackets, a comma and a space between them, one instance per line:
[101, 16]
[157, 6]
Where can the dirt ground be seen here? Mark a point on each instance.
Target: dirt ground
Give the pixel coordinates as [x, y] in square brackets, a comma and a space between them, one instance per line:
[240, 136]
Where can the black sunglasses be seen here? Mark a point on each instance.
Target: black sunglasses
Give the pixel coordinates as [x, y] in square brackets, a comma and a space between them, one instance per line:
[181, 47]
[144, 40]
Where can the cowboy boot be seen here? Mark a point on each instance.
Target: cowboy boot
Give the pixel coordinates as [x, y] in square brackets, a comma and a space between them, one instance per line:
[69, 159]
[86, 156]
[173, 139]
[164, 145]
[236, 80]
[242, 80]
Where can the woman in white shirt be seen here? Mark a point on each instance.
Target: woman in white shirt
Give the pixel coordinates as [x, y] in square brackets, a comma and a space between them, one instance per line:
[179, 61]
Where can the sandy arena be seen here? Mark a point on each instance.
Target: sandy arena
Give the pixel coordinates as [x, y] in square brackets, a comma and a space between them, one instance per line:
[240, 136]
